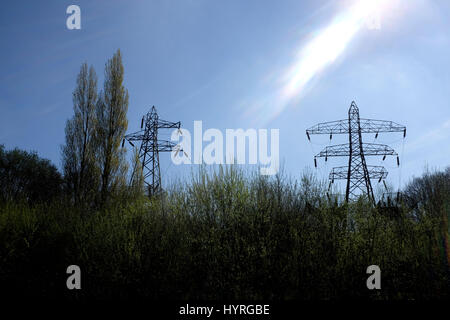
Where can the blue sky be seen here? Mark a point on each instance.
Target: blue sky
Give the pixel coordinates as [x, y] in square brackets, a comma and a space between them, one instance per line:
[224, 62]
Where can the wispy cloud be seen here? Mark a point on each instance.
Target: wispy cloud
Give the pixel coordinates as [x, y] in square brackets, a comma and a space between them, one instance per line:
[431, 137]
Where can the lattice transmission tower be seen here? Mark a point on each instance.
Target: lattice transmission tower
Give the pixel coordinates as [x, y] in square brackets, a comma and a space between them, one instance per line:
[358, 174]
[150, 147]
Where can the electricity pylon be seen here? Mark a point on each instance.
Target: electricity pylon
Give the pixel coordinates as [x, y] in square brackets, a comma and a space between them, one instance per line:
[150, 148]
[358, 174]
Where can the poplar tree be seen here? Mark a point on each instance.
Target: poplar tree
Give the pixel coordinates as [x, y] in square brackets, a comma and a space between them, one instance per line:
[112, 123]
[78, 153]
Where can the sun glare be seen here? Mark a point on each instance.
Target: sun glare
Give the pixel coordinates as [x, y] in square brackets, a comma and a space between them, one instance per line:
[324, 47]
[329, 43]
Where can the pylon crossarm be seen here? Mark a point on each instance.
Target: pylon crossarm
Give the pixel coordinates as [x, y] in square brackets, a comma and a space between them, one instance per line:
[163, 145]
[374, 149]
[341, 173]
[331, 127]
[163, 124]
[334, 151]
[166, 146]
[370, 149]
[136, 136]
[367, 126]
[377, 126]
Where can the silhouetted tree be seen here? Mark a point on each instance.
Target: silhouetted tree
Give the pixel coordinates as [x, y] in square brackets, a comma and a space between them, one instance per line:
[78, 154]
[112, 123]
[429, 192]
[26, 177]
[429, 196]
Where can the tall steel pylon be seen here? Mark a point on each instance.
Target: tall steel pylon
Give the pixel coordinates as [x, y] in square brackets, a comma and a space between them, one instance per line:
[150, 148]
[358, 174]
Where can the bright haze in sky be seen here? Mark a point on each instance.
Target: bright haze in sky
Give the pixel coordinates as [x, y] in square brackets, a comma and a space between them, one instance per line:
[285, 64]
[324, 47]
[330, 42]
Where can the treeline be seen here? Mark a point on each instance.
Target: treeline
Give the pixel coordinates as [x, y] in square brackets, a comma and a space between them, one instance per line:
[224, 234]
[231, 235]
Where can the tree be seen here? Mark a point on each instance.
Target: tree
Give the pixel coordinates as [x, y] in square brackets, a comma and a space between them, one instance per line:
[25, 176]
[429, 195]
[429, 192]
[137, 187]
[112, 123]
[78, 154]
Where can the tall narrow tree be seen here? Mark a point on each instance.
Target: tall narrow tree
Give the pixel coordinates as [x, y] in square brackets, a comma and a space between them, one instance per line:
[78, 154]
[111, 127]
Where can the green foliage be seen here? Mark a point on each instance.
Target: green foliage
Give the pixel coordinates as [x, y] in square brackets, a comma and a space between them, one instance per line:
[223, 235]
